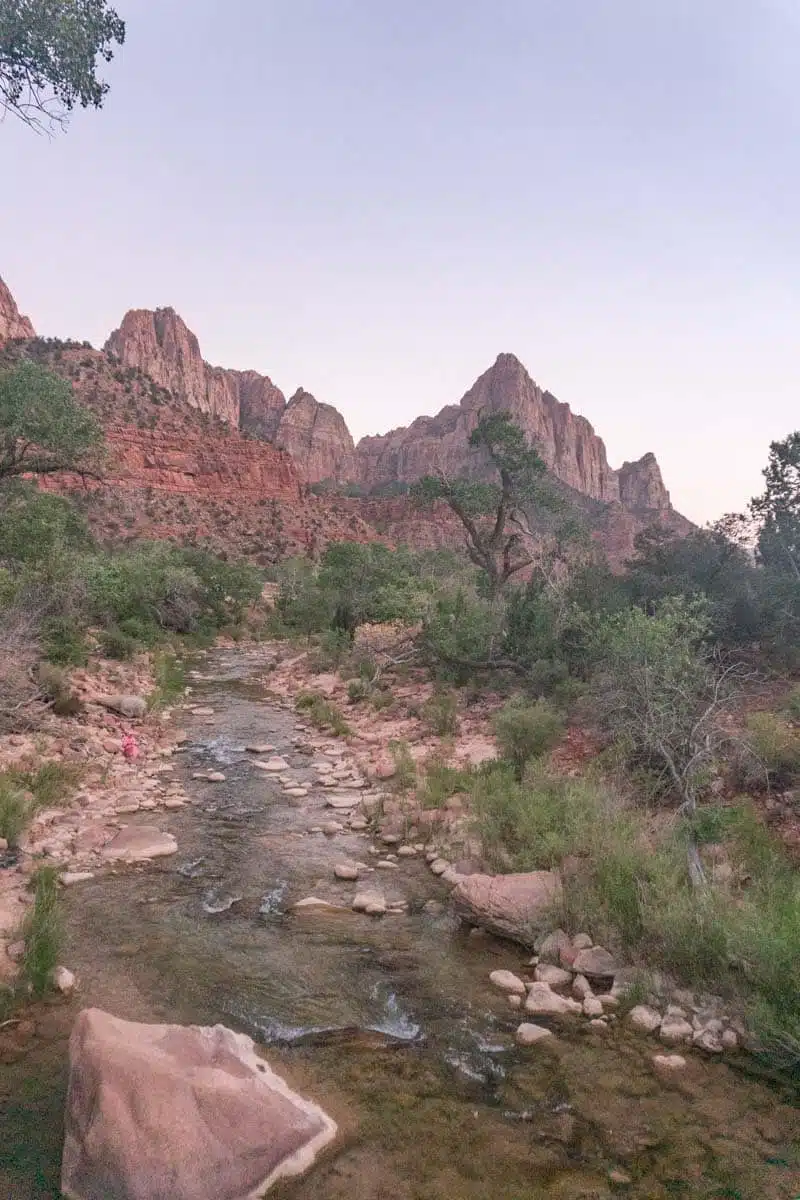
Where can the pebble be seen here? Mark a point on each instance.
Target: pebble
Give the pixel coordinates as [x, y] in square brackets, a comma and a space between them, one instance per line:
[582, 941]
[439, 866]
[599, 1023]
[260, 748]
[68, 878]
[203, 712]
[592, 1007]
[645, 1019]
[730, 1039]
[387, 865]
[331, 828]
[342, 801]
[675, 1029]
[216, 777]
[358, 823]
[272, 764]
[345, 871]
[515, 1001]
[669, 1062]
[370, 902]
[390, 839]
[174, 802]
[295, 791]
[507, 981]
[556, 977]
[529, 1034]
[63, 980]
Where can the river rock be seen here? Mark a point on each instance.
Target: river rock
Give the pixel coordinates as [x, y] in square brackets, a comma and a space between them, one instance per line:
[669, 1062]
[708, 1040]
[595, 963]
[644, 1018]
[68, 878]
[371, 902]
[551, 947]
[139, 843]
[581, 988]
[215, 777]
[675, 1029]
[271, 764]
[260, 748]
[529, 1034]
[507, 981]
[295, 792]
[346, 871]
[63, 980]
[592, 1007]
[405, 851]
[513, 906]
[730, 1039]
[542, 999]
[341, 800]
[582, 941]
[133, 707]
[180, 1111]
[439, 866]
[556, 977]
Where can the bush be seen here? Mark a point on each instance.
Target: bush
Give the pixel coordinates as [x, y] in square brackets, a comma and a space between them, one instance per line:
[170, 676]
[793, 703]
[117, 644]
[526, 731]
[442, 781]
[322, 713]
[42, 932]
[64, 642]
[440, 714]
[13, 812]
[776, 745]
[357, 690]
[405, 769]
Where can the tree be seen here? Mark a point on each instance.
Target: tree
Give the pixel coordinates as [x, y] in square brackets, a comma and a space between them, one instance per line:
[48, 57]
[43, 429]
[495, 512]
[778, 508]
[661, 692]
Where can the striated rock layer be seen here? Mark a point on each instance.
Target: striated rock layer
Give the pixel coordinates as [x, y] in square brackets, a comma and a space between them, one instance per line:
[567, 442]
[12, 322]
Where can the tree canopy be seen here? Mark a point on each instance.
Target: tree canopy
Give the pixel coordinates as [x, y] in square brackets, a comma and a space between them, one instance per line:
[49, 51]
[778, 508]
[43, 429]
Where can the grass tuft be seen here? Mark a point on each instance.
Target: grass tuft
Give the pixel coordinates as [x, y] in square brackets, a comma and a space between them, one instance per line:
[42, 932]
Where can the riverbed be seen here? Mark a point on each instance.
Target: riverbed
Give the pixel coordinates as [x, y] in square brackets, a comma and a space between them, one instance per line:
[388, 1022]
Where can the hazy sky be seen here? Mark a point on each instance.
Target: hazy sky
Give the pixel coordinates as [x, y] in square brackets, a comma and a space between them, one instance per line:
[372, 199]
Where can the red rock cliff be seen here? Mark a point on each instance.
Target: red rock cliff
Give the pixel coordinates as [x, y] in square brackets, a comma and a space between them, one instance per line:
[316, 437]
[12, 322]
[567, 442]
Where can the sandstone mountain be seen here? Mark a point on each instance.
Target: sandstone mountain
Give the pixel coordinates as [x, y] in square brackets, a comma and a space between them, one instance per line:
[161, 344]
[568, 443]
[229, 459]
[12, 322]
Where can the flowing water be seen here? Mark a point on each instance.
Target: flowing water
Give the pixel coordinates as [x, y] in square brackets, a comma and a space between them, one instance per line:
[389, 1023]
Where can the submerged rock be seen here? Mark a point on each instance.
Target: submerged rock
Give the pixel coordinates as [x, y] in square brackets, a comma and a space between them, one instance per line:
[139, 843]
[542, 999]
[513, 906]
[529, 1034]
[507, 981]
[180, 1111]
[644, 1018]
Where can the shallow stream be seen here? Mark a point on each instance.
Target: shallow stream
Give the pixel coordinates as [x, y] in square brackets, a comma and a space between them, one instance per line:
[389, 1023]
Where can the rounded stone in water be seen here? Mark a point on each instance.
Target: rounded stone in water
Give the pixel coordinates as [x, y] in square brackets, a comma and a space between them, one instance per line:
[219, 902]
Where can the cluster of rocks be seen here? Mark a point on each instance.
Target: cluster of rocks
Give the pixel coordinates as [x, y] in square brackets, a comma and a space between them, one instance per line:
[574, 977]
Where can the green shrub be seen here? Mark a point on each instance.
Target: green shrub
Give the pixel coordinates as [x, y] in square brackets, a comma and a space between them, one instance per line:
[322, 713]
[440, 714]
[357, 690]
[42, 932]
[526, 731]
[64, 642]
[442, 781]
[405, 769]
[14, 810]
[775, 744]
[116, 644]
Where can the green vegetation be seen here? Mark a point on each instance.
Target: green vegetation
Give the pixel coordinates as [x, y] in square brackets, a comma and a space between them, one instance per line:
[48, 57]
[23, 792]
[42, 932]
[526, 731]
[440, 713]
[776, 745]
[441, 781]
[405, 769]
[322, 713]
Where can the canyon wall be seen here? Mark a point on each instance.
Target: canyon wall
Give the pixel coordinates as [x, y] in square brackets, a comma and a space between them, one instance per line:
[567, 442]
[12, 322]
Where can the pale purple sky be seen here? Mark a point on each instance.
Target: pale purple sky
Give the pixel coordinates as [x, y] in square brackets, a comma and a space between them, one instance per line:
[373, 199]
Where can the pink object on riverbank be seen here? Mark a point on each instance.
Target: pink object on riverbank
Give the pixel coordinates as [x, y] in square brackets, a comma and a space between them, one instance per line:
[130, 747]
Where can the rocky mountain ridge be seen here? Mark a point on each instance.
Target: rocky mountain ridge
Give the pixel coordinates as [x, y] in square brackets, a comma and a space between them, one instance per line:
[316, 435]
[183, 427]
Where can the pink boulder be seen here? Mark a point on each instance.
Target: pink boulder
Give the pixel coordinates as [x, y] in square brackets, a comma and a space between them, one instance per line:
[171, 1112]
[511, 906]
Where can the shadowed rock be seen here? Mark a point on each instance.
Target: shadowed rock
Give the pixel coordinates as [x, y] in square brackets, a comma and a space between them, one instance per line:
[512, 906]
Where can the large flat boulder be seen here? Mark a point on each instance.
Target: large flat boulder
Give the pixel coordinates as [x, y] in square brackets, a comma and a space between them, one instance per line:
[139, 843]
[512, 906]
[172, 1112]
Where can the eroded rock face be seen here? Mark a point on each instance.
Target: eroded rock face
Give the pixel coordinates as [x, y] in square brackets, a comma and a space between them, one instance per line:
[161, 344]
[179, 1112]
[12, 323]
[566, 441]
[512, 906]
[317, 438]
